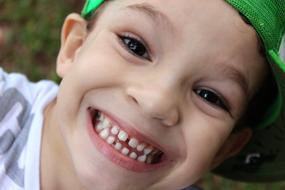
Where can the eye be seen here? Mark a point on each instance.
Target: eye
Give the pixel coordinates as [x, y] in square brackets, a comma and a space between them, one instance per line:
[135, 47]
[212, 98]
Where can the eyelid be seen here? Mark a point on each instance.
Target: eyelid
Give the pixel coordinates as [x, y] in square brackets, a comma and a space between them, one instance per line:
[221, 97]
[141, 40]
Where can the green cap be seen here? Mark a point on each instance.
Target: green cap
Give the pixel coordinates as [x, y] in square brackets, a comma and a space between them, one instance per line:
[263, 159]
[89, 7]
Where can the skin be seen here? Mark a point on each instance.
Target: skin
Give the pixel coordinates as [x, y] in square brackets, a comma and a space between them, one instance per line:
[157, 93]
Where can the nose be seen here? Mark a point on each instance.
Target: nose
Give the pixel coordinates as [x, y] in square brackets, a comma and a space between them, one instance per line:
[156, 101]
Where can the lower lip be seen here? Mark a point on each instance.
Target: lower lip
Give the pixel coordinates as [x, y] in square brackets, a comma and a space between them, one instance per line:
[114, 156]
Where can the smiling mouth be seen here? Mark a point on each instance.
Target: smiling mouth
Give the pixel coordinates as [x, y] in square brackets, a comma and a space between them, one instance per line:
[127, 145]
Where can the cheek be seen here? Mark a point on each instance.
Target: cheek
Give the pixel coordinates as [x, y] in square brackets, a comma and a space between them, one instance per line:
[203, 140]
[91, 73]
[99, 66]
[200, 143]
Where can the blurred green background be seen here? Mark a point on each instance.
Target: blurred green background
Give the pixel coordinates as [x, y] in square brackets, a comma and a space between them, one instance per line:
[30, 31]
[29, 42]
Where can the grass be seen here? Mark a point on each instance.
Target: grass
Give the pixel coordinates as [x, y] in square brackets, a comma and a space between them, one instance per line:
[31, 43]
[32, 31]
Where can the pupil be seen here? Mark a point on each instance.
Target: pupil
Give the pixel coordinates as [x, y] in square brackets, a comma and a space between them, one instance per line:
[211, 97]
[135, 46]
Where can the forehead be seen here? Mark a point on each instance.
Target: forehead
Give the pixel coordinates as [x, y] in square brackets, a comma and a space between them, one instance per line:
[209, 18]
[199, 20]
[181, 11]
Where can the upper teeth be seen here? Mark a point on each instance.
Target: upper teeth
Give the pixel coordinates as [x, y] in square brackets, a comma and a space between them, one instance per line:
[104, 133]
[140, 147]
[133, 143]
[123, 136]
[115, 130]
[147, 150]
[113, 135]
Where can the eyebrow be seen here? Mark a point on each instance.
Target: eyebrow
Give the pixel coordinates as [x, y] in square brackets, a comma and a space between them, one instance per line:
[236, 76]
[157, 16]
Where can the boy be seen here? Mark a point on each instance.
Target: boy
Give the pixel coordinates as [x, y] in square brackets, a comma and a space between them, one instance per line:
[151, 92]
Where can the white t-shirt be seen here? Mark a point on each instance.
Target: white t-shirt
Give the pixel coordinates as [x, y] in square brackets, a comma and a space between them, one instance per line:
[21, 120]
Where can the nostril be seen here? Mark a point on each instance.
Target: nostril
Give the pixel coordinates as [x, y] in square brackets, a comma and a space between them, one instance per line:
[131, 95]
[134, 100]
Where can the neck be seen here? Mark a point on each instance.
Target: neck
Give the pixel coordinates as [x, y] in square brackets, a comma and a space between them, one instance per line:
[57, 170]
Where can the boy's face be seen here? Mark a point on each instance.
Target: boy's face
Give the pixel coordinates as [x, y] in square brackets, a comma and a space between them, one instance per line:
[174, 75]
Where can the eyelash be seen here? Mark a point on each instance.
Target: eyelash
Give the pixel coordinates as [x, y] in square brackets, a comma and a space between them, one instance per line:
[135, 46]
[212, 98]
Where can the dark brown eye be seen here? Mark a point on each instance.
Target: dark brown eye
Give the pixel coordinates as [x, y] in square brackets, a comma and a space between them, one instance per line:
[135, 47]
[212, 98]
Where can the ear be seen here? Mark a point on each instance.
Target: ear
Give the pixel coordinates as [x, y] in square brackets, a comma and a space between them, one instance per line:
[233, 145]
[74, 32]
